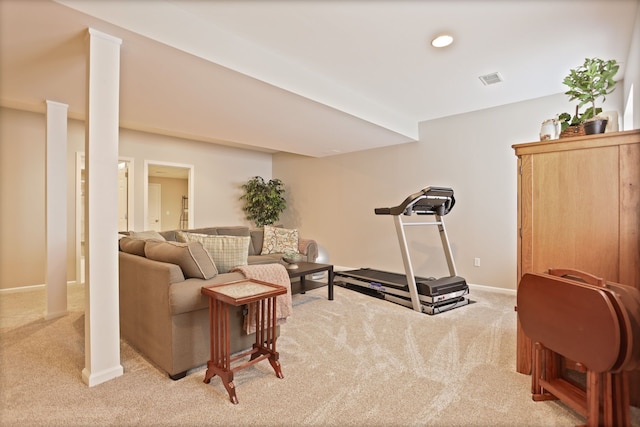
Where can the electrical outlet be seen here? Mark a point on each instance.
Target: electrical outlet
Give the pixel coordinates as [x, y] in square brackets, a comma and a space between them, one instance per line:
[476, 262]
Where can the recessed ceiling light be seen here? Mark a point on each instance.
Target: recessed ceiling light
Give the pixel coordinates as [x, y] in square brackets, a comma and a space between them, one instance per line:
[443, 40]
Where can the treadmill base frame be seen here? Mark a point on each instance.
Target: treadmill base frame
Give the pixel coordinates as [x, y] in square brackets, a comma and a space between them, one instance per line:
[445, 302]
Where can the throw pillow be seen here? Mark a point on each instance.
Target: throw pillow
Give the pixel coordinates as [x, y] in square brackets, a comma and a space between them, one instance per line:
[150, 234]
[181, 236]
[132, 246]
[192, 258]
[227, 251]
[279, 240]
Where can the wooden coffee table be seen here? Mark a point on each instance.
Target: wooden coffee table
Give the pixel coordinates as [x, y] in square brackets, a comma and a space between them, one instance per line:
[306, 268]
[237, 293]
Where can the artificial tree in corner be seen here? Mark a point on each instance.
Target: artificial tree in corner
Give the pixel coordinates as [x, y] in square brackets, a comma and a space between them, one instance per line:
[264, 201]
[587, 83]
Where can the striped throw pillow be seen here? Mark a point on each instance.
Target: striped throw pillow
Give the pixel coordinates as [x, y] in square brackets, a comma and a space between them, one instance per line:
[227, 251]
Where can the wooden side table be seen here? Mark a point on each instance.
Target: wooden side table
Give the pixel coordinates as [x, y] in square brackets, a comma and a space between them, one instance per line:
[237, 293]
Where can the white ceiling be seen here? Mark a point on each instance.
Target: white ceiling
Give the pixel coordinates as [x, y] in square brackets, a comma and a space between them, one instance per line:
[307, 77]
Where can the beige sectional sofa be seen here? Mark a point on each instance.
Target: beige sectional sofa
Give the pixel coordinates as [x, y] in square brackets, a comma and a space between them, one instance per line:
[162, 311]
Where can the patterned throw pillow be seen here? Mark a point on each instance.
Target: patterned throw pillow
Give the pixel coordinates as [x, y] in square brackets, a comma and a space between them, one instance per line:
[279, 240]
[227, 251]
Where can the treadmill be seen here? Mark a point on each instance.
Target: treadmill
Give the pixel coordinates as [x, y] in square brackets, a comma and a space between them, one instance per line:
[428, 295]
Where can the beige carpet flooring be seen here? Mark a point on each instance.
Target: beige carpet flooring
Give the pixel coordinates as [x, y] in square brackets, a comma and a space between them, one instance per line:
[354, 361]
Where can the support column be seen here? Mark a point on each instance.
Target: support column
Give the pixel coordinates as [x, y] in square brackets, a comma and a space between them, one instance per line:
[102, 323]
[56, 209]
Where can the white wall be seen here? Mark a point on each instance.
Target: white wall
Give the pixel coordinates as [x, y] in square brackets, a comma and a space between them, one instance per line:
[22, 198]
[332, 199]
[219, 173]
[632, 72]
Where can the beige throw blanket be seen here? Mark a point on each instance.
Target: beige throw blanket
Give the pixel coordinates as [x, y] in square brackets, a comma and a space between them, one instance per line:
[271, 273]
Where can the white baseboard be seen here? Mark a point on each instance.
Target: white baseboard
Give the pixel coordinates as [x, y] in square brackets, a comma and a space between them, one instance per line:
[49, 316]
[93, 379]
[492, 289]
[21, 289]
[28, 288]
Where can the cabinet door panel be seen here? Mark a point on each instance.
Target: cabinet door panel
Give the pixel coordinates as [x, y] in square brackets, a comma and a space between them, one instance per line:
[574, 219]
[630, 215]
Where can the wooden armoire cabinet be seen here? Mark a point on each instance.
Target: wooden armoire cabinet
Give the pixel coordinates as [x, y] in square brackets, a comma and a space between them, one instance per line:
[579, 208]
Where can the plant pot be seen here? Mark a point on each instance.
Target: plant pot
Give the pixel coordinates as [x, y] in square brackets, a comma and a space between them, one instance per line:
[595, 126]
[571, 131]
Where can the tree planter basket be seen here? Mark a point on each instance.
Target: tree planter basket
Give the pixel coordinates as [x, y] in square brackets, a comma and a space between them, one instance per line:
[571, 131]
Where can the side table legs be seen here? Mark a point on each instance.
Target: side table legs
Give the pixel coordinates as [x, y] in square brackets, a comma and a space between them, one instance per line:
[276, 367]
[263, 348]
[265, 344]
[220, 346]
[227, 380]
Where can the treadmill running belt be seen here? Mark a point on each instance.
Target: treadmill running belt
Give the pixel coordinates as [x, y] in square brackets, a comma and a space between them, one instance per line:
[427, 287]
[384, 277]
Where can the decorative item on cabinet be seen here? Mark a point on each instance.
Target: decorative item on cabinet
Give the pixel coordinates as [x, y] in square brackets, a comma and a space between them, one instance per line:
[550, 129]
[612, 121]
[572, 131]
[570, 126]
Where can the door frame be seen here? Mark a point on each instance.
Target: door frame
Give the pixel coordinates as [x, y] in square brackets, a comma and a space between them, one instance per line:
[158, 187]
[79, 205]
[190, 184]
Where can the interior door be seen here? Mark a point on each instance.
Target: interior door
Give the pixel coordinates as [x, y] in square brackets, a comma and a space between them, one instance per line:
[154, 206]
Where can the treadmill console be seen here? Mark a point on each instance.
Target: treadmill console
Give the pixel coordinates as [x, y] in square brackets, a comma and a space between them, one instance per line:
[428, 201]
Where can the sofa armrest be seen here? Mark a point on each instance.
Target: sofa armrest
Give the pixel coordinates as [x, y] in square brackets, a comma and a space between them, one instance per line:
[309, 248]
[145, 312]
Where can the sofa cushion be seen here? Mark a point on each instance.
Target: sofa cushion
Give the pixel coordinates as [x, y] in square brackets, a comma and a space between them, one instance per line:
[279, 240]
[149, 234]
[257, 236]
[233, 231]
[187, 296]
[192, 258]
[205, 230]
[264, 259]
[227, 251]
[169, 235]
[132, 246]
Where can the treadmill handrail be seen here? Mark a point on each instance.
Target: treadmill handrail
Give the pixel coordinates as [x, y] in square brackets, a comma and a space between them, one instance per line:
[411, 204]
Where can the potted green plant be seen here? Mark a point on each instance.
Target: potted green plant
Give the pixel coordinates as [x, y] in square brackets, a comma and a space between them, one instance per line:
[264, 201]
[570, 124]
[587, 83]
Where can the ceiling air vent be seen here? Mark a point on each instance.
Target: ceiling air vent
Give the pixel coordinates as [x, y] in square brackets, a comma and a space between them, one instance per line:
[490, 79]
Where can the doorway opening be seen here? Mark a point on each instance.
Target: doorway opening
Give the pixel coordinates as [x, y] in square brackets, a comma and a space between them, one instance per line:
[125, 205]
[168, 196]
